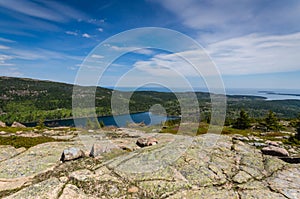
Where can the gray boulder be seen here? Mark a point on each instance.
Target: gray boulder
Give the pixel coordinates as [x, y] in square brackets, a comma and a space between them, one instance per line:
[102, 147]
[71, 154]
[274, 151]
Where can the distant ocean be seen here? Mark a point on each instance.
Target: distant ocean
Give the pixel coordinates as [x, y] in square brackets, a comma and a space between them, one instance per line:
[269, 94]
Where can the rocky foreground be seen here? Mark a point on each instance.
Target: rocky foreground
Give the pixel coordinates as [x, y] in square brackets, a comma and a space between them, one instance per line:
[128, 163]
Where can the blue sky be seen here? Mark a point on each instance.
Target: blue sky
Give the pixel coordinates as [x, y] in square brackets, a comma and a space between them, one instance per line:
[254, 43]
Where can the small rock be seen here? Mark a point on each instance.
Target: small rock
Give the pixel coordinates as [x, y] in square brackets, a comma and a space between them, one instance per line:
[273, 143]
[133, 189]
[274, 151]
[71, 154]
[155, 130]
[91, 131]
[256, 139]
[258, 144]
[2, 124]
[292, 150]
[241, 138]
[241, 177]
[63, 179]
[279, 137]
[18, 125]
[142, 142]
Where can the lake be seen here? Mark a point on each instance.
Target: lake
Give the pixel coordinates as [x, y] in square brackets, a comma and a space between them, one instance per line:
[120, 120]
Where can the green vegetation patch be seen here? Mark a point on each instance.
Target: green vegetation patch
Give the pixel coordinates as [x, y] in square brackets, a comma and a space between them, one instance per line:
[14, 129]
[27, 142]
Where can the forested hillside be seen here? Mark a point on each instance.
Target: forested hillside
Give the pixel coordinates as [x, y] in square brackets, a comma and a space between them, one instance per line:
[27, 100]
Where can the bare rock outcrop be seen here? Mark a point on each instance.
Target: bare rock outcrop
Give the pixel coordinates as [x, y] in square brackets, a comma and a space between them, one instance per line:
[17, 125]
[206, 166]
[2, 124]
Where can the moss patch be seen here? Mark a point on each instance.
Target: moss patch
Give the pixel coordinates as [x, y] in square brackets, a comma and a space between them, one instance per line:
[26, 142]
[14, 129]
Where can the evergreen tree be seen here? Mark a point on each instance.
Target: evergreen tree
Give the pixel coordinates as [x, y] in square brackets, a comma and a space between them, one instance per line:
[40, 124]
[243, 121]
[272, 122]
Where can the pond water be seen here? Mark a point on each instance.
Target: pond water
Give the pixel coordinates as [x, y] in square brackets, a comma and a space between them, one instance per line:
[120, 120]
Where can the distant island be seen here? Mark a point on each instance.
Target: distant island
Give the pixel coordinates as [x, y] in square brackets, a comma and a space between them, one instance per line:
[277, 93]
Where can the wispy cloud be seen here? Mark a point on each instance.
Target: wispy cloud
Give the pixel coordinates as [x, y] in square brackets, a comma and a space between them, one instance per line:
[46, 10]
[2, 47]
[4, 59]
[6, 40]
[137, 50]
[256, 53]
[96, 21]
[13, 72]
[97, 56]
[219, 20]
[251, 54]
[36, 54]
[168, 65]
[100, 29]
[71, 33]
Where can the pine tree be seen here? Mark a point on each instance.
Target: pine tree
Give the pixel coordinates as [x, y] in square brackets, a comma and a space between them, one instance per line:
[243, 121]
[40, 124]
[272, 122]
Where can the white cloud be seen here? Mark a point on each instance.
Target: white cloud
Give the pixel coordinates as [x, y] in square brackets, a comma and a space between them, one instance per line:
[218, 20]
[4, 59]
[85, 35]
[6, 40]
[47, 10]
[137, 50]
[73, 68]
[97, 56]
[125, 49]
[2, 47]
[145, 51]
[13, 72]
[251, 54]
[37, 54]
[173, 64]
[254, 54]
[71, 33]
[100, 29]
